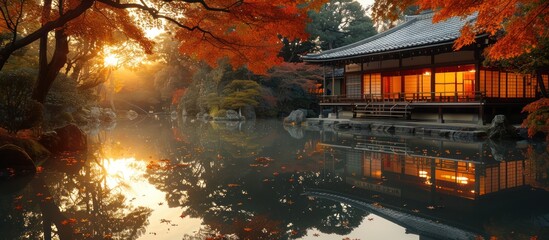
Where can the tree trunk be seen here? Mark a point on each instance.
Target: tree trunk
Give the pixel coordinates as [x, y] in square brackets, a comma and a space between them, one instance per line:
[50, 211]
[541, 84]
[48, 75]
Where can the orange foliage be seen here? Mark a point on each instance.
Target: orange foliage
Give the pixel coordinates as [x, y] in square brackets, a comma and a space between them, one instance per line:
[177, 94]
[248, 33]
[518, 24]
[102, 23]
[16, 13]
[244, 31]
[538, 117]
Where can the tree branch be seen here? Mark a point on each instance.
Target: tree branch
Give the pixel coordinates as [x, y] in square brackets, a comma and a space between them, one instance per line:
[59, 22]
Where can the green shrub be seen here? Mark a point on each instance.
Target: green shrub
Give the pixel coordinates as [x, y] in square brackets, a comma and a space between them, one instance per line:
[17, 110]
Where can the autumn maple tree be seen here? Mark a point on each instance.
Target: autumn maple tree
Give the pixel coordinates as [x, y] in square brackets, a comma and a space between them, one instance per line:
[244, 31]
[518, 25]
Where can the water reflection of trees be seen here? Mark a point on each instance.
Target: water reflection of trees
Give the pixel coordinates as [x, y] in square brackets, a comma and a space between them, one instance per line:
[71, 200]
[219, 180]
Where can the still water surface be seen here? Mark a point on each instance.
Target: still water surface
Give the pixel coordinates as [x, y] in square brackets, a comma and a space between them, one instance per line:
[161, 179]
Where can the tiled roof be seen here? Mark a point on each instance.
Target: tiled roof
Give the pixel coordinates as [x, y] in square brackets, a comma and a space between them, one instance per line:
[417, 31]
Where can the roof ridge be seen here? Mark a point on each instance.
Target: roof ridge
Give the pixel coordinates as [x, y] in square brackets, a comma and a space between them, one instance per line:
[418, 31]
[374, 37]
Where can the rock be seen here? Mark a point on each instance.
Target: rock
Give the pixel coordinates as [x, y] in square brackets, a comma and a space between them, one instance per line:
[67, 138]
[108, 115]
[468, 136]
[404, 130]
[504, 150]
[50, 140]
[360, 126]
[382, 128]
[296, 117]
[15, 161]
[342, 126]
[232, 115]
[501, 129]
[295, 132]
[131, 114]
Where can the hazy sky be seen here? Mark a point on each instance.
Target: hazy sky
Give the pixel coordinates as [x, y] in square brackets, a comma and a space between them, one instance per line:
[365, 3]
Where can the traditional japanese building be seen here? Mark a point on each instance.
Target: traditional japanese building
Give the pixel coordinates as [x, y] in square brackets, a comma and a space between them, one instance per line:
[412, 71]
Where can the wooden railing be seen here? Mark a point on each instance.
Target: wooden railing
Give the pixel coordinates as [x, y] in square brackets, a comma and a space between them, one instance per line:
[407, 97]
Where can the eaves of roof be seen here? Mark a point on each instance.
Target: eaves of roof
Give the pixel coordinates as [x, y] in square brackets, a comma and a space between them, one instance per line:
[416, 33]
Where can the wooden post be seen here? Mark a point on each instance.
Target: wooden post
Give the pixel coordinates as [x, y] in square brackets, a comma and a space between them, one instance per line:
[440, 115]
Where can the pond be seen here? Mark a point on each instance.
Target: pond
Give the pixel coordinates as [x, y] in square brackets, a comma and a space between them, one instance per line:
[186, 179]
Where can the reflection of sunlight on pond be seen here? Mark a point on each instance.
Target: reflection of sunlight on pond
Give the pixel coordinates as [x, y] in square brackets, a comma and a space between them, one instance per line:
[127, 175]
[375, 228]
[120, 172]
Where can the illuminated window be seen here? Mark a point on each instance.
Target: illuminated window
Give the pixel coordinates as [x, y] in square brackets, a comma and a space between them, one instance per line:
[457, 81]
[392, 87]
[371, 85]
[417, 84]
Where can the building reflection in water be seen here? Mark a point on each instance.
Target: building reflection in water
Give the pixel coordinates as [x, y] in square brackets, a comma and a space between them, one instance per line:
[468, 185]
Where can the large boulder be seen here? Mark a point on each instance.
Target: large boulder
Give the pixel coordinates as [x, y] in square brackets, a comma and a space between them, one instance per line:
[67, 138]
[15, 161]
[296, 117]
[501, 129]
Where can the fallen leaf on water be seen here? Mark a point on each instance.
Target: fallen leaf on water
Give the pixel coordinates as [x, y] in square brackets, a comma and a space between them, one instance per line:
[233, 185]
[39, 169]
[165, 221]
[247, 229]
[65, 222]
[18, 207]
[263, 159]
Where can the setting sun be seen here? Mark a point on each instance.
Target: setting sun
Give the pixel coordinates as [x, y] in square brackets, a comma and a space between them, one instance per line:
[110, 60]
